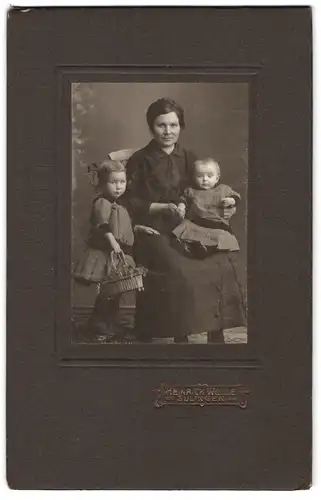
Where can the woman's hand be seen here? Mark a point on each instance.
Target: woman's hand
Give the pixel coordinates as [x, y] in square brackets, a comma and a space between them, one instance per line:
[228, 212]
[145, 229]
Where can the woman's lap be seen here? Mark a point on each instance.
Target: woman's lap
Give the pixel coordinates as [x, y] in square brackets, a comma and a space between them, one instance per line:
[184, 295]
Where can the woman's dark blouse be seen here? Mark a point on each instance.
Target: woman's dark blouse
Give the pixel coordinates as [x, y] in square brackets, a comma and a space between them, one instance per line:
[156, 177]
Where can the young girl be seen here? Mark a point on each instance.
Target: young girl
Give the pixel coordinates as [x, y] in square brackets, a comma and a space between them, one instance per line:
[111, 231]
[205, 231]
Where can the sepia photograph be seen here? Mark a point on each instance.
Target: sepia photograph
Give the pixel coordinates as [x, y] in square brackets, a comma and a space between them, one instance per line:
[159, 212]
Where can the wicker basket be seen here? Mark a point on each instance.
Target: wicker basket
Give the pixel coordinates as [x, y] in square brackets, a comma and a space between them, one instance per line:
[124, 278]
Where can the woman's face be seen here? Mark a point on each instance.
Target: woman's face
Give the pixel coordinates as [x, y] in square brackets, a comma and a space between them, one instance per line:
[166, 129]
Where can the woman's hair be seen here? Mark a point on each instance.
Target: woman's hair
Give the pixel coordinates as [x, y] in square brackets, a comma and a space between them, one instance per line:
[209, 161]
[162, 107]
[102, 171]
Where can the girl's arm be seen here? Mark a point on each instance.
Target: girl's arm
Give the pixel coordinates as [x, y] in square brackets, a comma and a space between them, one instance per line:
[101, 215]
[113, 242]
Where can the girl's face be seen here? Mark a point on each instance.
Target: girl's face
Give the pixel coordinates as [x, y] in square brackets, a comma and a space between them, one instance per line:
[115, 185]
[205, 175]
[166, 129]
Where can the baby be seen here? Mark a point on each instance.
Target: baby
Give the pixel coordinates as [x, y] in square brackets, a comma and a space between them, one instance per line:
[205, 227]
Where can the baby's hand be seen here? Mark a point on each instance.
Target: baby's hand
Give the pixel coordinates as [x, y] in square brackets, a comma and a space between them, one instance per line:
[181, 210]
[171, 209]
[228, 202]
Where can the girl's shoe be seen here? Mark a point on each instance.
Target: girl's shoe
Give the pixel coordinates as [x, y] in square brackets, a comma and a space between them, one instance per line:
[99, 331]
[106, 339]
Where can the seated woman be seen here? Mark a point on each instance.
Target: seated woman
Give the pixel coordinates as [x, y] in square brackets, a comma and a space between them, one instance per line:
[182, 295]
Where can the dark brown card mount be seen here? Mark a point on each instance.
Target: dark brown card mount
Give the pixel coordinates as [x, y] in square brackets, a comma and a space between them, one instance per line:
[77, 413]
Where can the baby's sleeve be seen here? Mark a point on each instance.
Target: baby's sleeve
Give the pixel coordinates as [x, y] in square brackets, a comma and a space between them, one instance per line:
[101, 214]
[228, 192]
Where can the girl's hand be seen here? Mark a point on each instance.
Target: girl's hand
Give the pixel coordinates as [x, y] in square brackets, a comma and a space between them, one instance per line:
[145, 229]
[116, 247]
[113, 242]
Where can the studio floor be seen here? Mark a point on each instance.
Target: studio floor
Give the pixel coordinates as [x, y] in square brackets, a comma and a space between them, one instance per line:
[81, 335]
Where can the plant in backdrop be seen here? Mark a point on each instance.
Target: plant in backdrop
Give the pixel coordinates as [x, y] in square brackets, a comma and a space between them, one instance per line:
[82, 105]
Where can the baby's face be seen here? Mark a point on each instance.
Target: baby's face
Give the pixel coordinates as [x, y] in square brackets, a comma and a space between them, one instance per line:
[205, 175]
[115, 185]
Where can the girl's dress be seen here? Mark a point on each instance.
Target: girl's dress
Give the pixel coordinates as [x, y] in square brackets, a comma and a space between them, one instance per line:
[204, 221]
[107, 216]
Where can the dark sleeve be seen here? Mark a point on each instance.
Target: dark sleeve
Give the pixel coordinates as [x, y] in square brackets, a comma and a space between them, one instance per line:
[186, 197]
[100, 217]
[236, 196]
[229, 192]
[136, 193]
[190, 159]
[103, 228]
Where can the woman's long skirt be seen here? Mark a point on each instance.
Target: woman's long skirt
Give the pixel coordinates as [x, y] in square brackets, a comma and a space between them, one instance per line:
[185, 295]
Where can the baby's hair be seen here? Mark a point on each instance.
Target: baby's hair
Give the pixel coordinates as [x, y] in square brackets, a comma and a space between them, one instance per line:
[101, 172]
[209, 161]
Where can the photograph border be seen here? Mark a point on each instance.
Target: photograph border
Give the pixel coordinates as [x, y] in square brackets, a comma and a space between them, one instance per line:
[74, 354]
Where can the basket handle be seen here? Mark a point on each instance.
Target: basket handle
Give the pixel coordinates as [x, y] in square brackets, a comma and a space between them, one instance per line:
[120, 256]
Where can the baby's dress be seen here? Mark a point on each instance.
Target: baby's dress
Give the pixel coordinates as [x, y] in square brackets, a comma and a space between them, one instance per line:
[204, 221]
[106, 216]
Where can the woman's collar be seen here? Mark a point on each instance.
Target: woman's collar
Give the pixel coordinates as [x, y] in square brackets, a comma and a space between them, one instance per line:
[177, 151]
